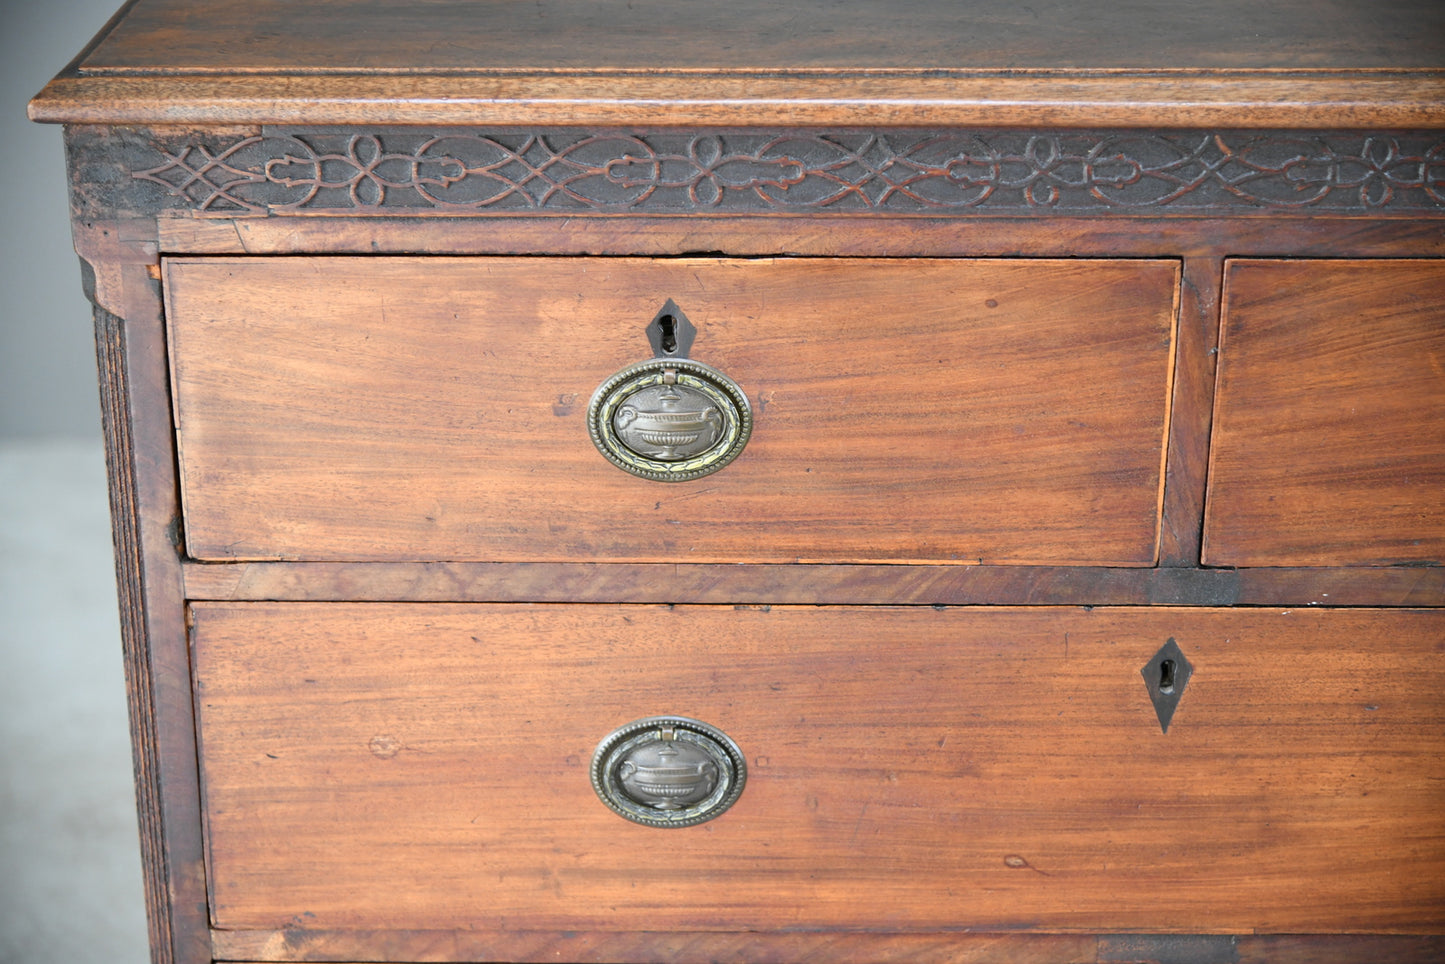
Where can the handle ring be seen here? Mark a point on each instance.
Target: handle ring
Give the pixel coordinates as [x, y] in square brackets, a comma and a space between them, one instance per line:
[668, 771]
[669, 419]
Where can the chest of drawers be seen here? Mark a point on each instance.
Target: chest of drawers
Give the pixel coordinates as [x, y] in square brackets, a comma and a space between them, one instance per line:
[627, 481]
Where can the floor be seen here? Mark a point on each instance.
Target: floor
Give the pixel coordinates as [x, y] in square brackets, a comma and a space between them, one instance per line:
[70, 879]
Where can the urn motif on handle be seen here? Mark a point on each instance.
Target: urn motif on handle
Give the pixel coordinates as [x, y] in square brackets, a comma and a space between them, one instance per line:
[667, 775]
[668, 771]
[670, 422]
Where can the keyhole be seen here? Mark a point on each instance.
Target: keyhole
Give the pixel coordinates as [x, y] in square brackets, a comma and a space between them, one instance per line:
[1166, 676]
[668, 324]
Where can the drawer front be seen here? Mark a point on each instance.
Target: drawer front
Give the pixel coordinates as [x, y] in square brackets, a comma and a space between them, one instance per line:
[393, 766]
[904, 410]
[1329, 430]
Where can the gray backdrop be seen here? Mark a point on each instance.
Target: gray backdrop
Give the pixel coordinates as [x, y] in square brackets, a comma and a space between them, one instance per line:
[70, 876]
[47, 364]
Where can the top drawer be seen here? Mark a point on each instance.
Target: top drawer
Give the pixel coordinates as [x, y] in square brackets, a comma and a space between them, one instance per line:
[349, 408]
[1329, 427]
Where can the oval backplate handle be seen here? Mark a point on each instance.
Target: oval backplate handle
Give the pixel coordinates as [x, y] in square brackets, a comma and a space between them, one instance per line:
[668, 771]
[670, 419]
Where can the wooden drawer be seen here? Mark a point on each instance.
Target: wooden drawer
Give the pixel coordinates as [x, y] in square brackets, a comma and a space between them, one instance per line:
[425, 767]
[1002, 411]
[1329, 429]
[1010, 300]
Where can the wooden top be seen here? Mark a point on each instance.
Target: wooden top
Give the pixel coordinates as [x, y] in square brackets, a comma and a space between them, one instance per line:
[1001, 62]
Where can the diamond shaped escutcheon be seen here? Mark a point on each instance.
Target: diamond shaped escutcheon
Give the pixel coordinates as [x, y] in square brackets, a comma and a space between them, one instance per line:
[1165, 676]
[670, 333]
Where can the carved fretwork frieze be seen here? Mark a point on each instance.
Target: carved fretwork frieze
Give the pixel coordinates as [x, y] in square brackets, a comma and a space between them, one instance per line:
[469, 171]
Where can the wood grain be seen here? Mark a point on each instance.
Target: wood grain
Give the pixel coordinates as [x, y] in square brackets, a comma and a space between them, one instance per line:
[1242, 101]
[141, 472]
[1347, 949]
[1329, 442]
[915, 62]
[832, 236]
[803, 584]
[175, 36]
[655, 948]
[1189, 437]
[425, 767]
[837, 948]
[428, 409]
[928, 783]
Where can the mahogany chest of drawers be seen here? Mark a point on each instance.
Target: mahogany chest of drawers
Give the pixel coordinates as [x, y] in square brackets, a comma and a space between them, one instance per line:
[638, 481]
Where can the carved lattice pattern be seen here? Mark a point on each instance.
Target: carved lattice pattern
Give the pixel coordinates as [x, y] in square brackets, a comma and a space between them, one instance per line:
[511, 172]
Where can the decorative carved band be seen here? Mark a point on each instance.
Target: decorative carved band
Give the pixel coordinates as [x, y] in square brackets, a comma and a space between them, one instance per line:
[894, 172]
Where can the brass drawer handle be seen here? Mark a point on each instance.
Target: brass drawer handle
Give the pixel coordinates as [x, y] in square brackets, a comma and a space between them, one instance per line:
[668, 771]
[670, 419]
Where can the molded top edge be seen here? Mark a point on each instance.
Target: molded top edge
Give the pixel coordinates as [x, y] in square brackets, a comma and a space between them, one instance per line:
[1289, 63]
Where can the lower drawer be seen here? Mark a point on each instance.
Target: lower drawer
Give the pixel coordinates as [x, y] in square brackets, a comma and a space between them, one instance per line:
[426, 767]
